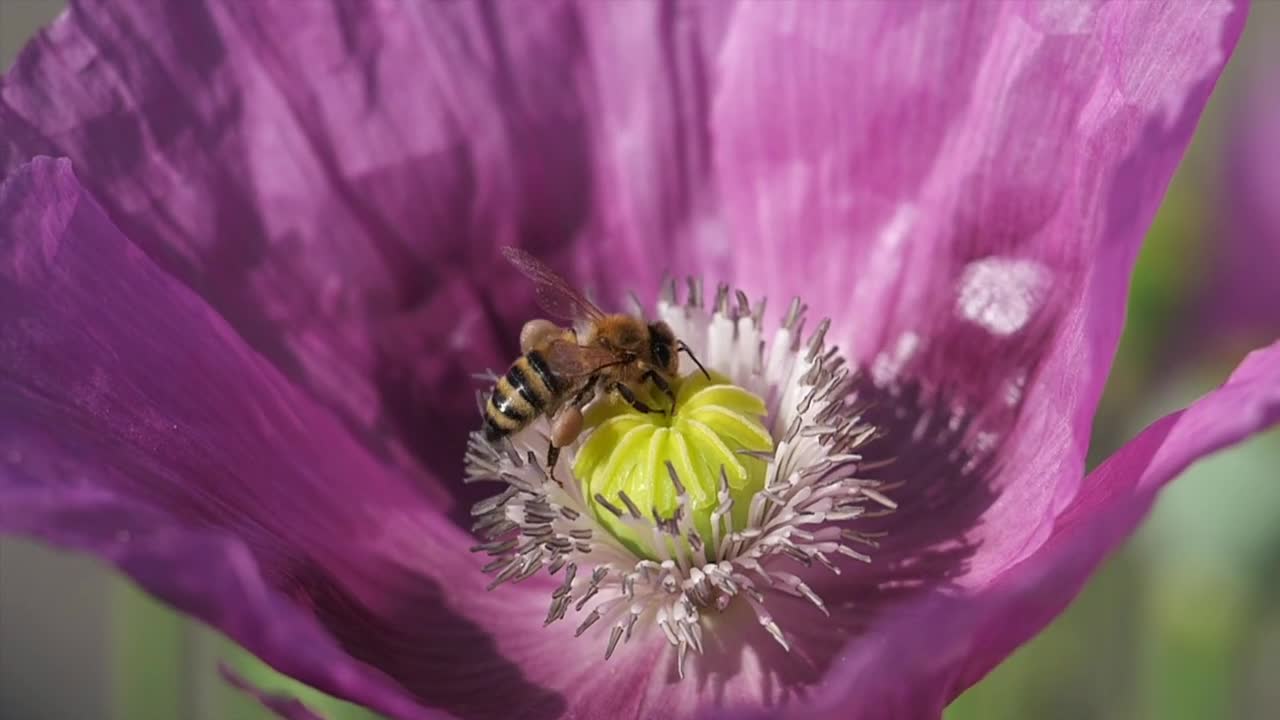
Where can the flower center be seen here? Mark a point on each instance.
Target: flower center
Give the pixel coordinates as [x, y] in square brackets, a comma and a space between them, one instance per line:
[736, 495]
[632, 463]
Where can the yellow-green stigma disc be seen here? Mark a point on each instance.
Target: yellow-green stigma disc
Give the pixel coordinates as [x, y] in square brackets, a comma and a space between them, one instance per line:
[627, 451]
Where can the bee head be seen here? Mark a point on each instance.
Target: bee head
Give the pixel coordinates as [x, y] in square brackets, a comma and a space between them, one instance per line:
[662, 348]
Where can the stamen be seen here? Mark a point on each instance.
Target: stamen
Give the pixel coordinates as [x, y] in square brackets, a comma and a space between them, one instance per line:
[756, 472]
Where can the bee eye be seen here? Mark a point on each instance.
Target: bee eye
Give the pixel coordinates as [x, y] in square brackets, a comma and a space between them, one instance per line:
[662, 353]
[660, 345]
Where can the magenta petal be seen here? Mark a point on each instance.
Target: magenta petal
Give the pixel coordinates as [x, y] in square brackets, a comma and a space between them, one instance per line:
[333, 178]
[653, 79]
[916, 662]
[874, 155]
[136, 426]
[963, 188]
[329, 177]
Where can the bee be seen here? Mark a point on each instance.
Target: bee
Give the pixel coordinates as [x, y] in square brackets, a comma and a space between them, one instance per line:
[561, 369]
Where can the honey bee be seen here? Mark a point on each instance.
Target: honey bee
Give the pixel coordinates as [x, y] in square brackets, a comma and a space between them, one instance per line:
[562, 368]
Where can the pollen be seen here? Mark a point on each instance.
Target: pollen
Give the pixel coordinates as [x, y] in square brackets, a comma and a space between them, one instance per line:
[715, 430]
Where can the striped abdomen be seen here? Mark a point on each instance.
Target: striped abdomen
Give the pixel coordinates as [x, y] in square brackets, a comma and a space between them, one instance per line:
[520, 396]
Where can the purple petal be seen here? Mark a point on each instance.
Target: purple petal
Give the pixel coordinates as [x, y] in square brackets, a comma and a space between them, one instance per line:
[654, 79]
[332, 178]
[136, 426]
[915, 663]
[882, 159]
[963, 187]
[1240, 300]
[278, 159]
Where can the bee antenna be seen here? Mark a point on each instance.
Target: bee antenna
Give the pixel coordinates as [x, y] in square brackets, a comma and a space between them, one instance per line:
[681, 347]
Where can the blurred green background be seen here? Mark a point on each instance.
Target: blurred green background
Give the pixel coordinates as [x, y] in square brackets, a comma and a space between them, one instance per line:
[1182, 624]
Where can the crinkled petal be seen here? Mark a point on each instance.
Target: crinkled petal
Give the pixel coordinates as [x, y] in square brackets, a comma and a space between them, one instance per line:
[928, 652]
[963, 188]
[136, 426]
[333, 178]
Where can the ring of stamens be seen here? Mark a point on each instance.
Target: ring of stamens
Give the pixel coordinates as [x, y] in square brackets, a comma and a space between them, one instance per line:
[814, 492]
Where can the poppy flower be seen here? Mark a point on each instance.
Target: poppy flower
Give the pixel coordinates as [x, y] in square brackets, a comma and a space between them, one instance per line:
[249, 267]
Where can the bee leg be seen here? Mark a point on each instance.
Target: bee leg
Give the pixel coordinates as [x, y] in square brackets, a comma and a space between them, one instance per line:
[565, 428]
[663, 385]
[631, 399]
[584, 395]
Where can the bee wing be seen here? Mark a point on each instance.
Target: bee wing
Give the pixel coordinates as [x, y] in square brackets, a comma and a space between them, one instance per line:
[555, 296]
[569, 359]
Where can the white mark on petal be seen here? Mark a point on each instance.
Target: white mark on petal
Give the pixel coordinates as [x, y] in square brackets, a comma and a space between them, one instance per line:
[1001, 294]
[889, 364]
[1014, 387]
[985, 441]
